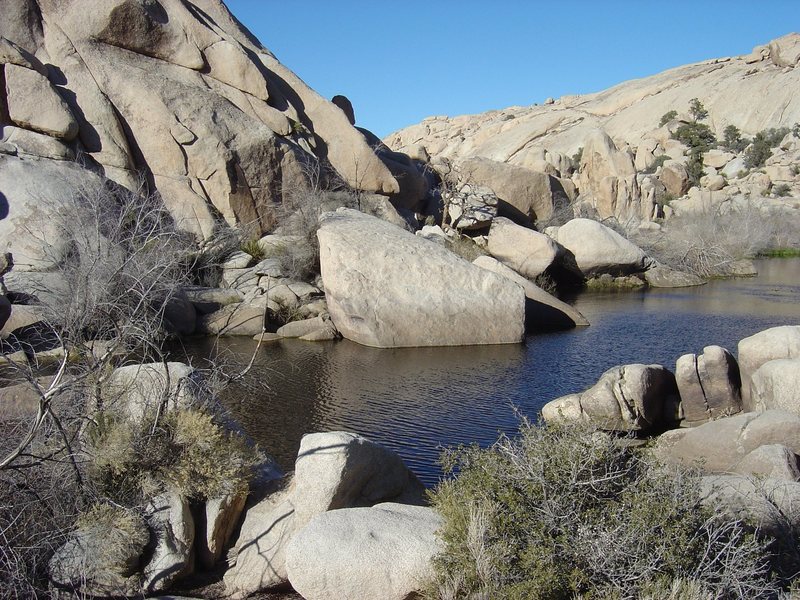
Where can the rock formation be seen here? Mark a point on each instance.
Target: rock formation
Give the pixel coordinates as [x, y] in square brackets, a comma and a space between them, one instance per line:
[619, 134]
[177, 93]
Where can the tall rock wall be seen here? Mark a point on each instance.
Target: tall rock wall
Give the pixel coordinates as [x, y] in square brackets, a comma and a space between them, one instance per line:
[174, 92]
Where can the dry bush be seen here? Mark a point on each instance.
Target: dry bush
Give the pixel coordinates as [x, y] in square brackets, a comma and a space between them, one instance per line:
[565, 512]
[710, 244]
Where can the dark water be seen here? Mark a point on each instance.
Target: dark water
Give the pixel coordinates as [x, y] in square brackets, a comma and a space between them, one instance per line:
[416, 401]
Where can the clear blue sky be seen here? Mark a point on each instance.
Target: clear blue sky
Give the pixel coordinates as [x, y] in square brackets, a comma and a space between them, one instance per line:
[400, 62]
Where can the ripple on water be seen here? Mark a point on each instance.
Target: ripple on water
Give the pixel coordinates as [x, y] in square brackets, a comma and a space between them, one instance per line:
[416, 401]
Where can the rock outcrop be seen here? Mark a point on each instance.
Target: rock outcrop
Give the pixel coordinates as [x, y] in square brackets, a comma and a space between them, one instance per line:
[600, 250]
[619, 134]
[388, 288]
[625, 398]
[180, 93]
[333, 471]
[381, 553]
[709, 385]
[762, 347]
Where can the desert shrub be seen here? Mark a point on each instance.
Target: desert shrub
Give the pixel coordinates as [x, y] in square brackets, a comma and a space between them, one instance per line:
[565, 512]
[761, 148]
[183, 450]
[465, 247]
[781, 190]
[667, 117]
[709, 244]
[658, 162]
[254, 249]
[732, 139]
[576, 159]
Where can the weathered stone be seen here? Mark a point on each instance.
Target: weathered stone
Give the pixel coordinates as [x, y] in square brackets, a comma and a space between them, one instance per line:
[709, 384]
[170, 519]
[233, 319]
[32, 143]
[774, 461]
[543, 312]
[297, 329]
[608, 178]
[531, 253]
[598, 249]
[718, 446]
[33, 103]
[342, 470]
[762, 347]
[661, 276]
[388, 288]
[260, 552]
[717, 158]
[471, 207]
[772, 506]
[207, 300]
[384, 552]
[526, 193]
[221, 518]
[776, 385]
[675, 178]
[134, 390]
[626, 398]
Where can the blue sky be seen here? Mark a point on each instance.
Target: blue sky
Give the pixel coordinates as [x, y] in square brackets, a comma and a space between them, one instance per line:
[399, 62]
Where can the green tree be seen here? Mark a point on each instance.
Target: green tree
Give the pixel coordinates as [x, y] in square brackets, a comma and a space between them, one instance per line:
[732, 139]
[667, 117]
[697, 110]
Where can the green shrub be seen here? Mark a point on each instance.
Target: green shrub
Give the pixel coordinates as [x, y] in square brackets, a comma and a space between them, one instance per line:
[697, 110]
[576, 159]
[562, 512]
[781, 190]
[733, 140]
[659, 162]
[667, 117]
[183, 450]
[761, 147]
[254, 249]
[465, 247]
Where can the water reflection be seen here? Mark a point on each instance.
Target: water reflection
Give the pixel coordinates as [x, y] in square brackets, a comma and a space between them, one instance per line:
[417, 400]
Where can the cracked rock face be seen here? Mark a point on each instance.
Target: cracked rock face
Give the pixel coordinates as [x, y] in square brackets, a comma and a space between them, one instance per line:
[709, 384]
[388, 288]
[179, 92]
[625, 398]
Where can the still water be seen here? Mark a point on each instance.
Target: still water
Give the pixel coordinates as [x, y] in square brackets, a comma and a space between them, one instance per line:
[418, 400]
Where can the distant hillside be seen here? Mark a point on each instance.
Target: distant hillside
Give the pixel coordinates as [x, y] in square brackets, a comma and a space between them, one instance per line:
[752, 92]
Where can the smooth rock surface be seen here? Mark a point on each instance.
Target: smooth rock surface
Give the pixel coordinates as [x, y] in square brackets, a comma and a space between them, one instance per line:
[543, 312]
[625, 398]
[762, 347]
[170, 519]
[599, 250]
[776, 385]
[386, 288]
[718, 446]
[379, 553]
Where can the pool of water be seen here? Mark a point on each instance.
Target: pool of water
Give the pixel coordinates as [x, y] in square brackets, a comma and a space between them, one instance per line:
[418, 400]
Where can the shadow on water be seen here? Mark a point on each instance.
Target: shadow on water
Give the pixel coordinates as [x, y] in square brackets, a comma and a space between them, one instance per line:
[417, 400]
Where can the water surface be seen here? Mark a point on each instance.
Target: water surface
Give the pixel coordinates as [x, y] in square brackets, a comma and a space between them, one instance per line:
[418, 400]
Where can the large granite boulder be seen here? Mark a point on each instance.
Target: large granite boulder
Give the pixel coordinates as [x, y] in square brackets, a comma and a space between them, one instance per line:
[524, 192]
[181, 93]
[709, 385]
[333, 471]
[718, 446]
[531, 253]
[625, 398]
[776, 385]
[380, 553]
[599, 249]
[386, 287]
[135, 390]
[762, 347]
[543, 312]
[608, 178]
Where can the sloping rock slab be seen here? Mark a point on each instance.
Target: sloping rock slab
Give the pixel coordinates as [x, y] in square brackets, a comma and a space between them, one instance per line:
[387, 288]
[379, 553]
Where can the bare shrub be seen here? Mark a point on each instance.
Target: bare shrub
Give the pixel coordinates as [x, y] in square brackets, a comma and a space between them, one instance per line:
[104, 303]
[710, 244]
[563, 512]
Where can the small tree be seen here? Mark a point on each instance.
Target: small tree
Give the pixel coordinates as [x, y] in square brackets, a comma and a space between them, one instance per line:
[732, 139]
[697, 110]
[667, 117]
